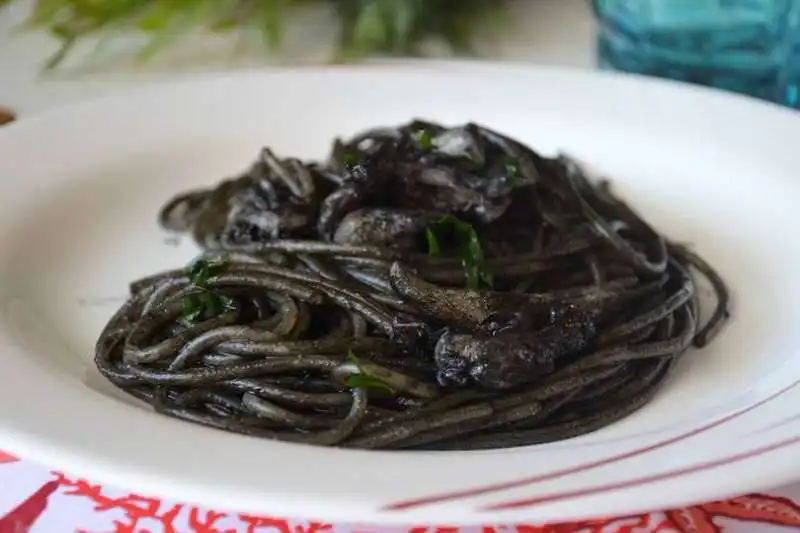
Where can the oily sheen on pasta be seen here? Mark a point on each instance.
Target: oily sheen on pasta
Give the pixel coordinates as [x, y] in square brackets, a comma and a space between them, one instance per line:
[426, 287]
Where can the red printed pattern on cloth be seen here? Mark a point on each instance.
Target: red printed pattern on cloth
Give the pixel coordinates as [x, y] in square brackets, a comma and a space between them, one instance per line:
[7, 458]
[138, 511]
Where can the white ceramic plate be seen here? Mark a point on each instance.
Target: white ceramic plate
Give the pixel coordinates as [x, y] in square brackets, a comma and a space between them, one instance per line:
[80, 188]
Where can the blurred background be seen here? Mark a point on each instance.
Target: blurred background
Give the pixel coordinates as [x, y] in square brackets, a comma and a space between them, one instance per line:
[53, 51]
[555, 32]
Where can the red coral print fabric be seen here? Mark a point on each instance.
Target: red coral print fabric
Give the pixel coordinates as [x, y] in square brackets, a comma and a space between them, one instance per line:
[6, 458]
[34, 500]
[21, 518]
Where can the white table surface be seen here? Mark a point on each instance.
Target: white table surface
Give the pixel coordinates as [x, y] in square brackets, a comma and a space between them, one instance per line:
[553, 32]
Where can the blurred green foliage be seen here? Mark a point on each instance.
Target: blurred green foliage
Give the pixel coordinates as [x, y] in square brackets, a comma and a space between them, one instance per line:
[368, 27]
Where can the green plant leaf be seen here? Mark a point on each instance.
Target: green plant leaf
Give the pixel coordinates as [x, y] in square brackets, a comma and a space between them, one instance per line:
[367, 26]
[270, 21]
[169, 21]
[370, 27]
[46, 11]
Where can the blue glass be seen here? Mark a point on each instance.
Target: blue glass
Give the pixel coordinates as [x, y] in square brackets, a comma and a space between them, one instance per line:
[747, 46]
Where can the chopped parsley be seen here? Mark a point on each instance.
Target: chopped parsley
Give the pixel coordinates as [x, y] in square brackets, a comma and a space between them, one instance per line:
[203, 269]
[468, 248]
[363, 381]
[434, 248]
[513, 172]
[350, 157]
[424, 139]
[204, 303]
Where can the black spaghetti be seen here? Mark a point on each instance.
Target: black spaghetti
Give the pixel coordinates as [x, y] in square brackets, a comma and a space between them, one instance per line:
[425, 288]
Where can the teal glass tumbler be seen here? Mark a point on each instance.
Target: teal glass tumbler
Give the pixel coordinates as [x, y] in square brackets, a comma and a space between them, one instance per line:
[747, 46]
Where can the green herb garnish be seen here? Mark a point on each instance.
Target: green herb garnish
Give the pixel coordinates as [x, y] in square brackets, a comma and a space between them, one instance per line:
[205, 302]
[513, 172]
[203, 269]
[424, 139]
[468, 248]
[350, 158]
[192, 308]
[434, 248]
[362, 380]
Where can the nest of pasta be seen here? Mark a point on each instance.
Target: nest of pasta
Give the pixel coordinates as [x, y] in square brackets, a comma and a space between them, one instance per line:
[426, 287]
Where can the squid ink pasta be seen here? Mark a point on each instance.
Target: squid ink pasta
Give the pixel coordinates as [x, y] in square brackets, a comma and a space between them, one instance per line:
[426, 287]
